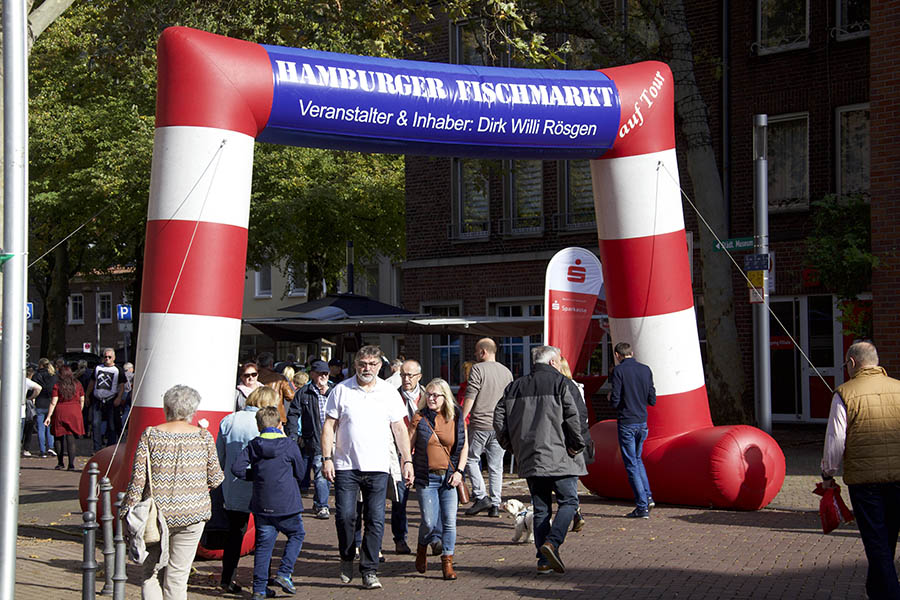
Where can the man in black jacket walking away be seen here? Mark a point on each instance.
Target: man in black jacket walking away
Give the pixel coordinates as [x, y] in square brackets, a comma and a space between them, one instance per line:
[540, 420]
[632, 391]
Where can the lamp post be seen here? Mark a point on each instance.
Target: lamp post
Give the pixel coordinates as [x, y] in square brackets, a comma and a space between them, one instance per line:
[761, 356]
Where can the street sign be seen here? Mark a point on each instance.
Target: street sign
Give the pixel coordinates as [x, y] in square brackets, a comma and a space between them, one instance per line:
[123, 311]
[756, 279]
[756, 262]
[29, 311]
[126, 326]
[86, 347]
[739, 244]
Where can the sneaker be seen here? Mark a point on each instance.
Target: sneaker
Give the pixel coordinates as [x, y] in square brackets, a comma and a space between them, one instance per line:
[380, 556]
[479, 505]
[346, 571]
[550, 552]
[544, 569]
[650, 504]
[323, 513]
[26, 453]
[578, 522]
[494, 511]
[43, 455]
[59, 467]
[402, 547]
[285, 583]
[638, 514]
[370, 581]
[437, 548]
[51, 452]
[231, 588]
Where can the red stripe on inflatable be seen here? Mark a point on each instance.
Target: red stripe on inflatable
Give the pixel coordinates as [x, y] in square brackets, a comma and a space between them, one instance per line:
[647, 122]
[207, 80]
[646, 276]
[675, 414]
[212, 282]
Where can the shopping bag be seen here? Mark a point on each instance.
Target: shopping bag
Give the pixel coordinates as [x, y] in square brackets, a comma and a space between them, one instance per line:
[832, 509]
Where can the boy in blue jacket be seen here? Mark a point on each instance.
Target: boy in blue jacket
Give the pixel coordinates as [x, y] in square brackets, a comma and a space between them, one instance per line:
[273, 463]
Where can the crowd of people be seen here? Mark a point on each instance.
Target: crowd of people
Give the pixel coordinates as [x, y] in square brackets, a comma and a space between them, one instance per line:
[357, 439]
[60, 404]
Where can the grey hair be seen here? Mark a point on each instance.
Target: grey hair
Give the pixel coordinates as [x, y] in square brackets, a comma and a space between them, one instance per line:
[544, 354]
[863, 353]
[180, 403]
[370, 350]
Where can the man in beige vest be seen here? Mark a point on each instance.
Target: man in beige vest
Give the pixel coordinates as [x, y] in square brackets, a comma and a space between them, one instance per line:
[864, 434]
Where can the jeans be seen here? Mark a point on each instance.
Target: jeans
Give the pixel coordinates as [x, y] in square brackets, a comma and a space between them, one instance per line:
[486, 442]
[438, 503]
[320, 495]
[100, 419]
[631, 443]
[45, 438]
[267, 529]
[399, 522]
[170, 582]
[348, 483]
[876, 507]
[542, 489]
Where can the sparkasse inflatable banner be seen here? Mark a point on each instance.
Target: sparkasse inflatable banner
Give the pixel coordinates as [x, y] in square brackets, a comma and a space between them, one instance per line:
[573, 282]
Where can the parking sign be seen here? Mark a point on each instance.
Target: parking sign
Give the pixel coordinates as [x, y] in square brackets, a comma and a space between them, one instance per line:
[124, 312]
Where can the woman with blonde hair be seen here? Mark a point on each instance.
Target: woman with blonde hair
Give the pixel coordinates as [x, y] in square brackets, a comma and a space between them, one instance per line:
[578, 520]
[440, 447]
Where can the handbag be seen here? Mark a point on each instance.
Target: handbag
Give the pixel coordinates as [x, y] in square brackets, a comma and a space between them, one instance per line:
[462, 490]
[151, 532]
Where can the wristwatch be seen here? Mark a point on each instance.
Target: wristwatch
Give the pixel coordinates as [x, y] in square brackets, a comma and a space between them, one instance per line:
[327, 458]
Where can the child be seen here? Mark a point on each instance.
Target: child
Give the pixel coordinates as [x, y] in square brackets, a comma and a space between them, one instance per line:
[273, 463]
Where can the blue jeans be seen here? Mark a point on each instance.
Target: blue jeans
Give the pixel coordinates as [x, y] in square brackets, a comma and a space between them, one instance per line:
[348, 483]
[486, 442]
[399, 522]
[102, 424]
[438, 503]
[267, 529]
[542, 489]
[45, 438]
[631, 443]
[322, 487]
[876, 507]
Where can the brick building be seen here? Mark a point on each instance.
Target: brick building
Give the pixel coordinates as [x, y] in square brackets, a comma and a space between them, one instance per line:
[479, 235]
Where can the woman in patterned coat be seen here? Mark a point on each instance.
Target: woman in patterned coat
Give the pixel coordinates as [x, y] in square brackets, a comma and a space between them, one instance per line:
[183, 468]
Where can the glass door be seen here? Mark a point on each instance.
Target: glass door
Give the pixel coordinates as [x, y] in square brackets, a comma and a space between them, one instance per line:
[787, 394]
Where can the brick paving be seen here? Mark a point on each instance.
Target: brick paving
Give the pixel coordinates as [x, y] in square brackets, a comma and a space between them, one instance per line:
[680, 552]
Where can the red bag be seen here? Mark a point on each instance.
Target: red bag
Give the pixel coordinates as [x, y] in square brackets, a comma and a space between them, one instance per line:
[832, 509]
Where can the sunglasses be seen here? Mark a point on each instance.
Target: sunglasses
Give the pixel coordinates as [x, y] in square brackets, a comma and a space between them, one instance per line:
[249, 374]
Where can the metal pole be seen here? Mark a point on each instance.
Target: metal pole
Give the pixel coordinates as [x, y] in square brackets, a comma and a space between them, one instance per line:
[761, 356]
[89, 564]
[119, 575]
[106, 520]
[15, 242]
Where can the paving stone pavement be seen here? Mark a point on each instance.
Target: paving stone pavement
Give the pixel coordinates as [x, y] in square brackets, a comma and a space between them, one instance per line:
[681, 552]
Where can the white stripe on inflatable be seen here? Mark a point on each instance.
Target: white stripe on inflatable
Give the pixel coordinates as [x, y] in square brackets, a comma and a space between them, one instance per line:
[668, 344]
[189, 168]
[627, 201]
[193, 350]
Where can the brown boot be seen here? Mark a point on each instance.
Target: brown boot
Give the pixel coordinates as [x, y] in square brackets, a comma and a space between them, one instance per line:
[421, 558]
[447, 566]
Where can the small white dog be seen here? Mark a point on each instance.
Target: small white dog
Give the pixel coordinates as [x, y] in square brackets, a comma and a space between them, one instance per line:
[524, 516]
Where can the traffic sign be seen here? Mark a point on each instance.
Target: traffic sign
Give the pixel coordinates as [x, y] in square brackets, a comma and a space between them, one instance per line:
[756, 262]
[123, 311]
[755, 279]
[744, 243]
[29, 311]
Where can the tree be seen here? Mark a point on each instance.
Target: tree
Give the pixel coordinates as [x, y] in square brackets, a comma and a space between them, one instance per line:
[548, 30]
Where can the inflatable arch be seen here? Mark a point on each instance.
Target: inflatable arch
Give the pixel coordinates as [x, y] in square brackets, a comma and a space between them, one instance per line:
[217, 96]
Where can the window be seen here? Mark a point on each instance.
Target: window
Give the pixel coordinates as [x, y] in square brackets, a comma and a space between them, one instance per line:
[104, 307]
[445, 350]
[262, 281]
[515, 352]
[787, 139]
[296, 281]
[526, 196]
[76, 309]
[470, 180]
[577, 193]
[782, 25]
[853, 19]
[852, 170]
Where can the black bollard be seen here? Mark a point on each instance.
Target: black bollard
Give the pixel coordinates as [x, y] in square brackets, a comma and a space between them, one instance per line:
[89, 565]
[119, 575]
[106, 520]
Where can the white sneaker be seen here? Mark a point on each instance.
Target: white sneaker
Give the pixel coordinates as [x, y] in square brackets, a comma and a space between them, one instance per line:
[26, 453]
[323, 513]
[51, 452]
[370, 581]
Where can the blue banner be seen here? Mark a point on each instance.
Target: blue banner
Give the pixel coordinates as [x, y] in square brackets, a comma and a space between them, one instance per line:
[370, 104]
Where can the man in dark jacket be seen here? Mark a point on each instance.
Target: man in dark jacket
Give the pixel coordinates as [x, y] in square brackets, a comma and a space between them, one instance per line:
[540, 421]
[305, 417]
[273, 462]
[632, 391]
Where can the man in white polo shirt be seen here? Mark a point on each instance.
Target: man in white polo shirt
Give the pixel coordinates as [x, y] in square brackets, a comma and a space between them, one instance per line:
[356, 458]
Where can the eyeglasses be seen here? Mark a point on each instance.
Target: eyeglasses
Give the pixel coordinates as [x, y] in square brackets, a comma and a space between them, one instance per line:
[110, 357]
[430, 395]
[250, 374]
[409, 375]
[371, 365]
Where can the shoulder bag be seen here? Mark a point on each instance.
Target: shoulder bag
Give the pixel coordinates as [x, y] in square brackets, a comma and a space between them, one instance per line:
[151, 532]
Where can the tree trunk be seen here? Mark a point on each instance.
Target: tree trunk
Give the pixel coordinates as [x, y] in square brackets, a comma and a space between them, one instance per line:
[725, 378]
